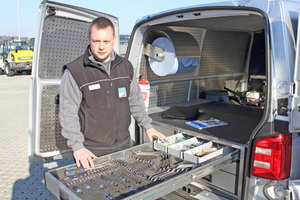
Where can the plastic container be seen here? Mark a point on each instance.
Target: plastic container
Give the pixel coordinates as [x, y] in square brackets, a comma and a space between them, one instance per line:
[145, 90]
[179, 137]
[189, 155]
[217, 95]
[179, 148]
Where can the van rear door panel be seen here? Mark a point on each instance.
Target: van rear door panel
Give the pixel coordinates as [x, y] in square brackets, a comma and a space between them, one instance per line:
[295, 109]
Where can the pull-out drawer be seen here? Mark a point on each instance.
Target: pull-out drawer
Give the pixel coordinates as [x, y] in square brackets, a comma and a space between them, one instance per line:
[192, 149]
[140, 172]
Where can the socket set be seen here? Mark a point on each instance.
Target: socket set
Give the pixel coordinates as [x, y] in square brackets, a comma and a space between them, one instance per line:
[124, 175]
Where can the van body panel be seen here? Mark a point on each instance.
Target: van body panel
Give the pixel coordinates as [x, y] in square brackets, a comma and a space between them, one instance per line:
[295, 107]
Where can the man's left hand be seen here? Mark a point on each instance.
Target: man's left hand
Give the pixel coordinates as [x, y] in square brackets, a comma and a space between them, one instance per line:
[152, 132]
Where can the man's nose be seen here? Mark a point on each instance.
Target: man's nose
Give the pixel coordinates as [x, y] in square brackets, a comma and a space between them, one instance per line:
[101, 46]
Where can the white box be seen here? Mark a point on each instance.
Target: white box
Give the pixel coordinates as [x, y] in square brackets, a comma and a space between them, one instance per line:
[190, 154]
[171, 139]
[174, 149]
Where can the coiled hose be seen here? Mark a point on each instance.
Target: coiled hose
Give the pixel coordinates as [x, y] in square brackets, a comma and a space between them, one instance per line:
[265, 189]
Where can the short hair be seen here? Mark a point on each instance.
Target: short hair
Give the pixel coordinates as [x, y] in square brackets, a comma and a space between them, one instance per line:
[101, 23]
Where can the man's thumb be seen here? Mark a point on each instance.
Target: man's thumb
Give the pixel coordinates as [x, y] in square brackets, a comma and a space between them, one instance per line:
[93, 155]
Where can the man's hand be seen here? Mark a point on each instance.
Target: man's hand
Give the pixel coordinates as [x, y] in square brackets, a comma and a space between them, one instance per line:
[84, 157]
[152, 132]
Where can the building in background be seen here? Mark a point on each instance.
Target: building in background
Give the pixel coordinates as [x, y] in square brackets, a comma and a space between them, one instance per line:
[123, 44]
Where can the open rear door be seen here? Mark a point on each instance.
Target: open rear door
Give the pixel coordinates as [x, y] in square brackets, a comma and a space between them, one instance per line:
[295, 109]
[61, 36]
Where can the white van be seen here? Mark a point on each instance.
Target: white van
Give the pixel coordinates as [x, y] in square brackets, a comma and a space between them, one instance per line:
[235, 61]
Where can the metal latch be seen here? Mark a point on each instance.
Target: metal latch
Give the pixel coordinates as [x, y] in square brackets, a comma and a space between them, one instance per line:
[282, 107]
[154, 52]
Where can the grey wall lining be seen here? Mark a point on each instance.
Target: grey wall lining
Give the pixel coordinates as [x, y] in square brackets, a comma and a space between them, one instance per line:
[224, 52]
[172, 92]
[50, 128]
[63, 40]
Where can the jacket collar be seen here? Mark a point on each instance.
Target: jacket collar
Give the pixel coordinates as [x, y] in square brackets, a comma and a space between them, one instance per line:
[88, 59]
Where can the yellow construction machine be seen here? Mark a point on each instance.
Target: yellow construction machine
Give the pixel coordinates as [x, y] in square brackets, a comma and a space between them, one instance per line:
[16, 56]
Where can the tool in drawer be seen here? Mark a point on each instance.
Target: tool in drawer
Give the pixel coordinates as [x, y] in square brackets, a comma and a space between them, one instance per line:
[138, 163]
[123, 175]
[172, 172]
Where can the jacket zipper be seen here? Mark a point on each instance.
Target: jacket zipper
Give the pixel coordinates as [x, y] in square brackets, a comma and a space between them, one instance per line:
[108, 95]
[115, 112]
[113, 98]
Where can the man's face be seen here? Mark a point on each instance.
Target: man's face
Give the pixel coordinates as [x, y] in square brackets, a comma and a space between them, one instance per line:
[102, 42]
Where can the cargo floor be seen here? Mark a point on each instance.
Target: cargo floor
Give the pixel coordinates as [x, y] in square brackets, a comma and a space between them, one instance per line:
[241, 120]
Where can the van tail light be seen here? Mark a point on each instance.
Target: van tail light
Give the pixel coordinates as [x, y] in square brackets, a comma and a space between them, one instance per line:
[272, 157]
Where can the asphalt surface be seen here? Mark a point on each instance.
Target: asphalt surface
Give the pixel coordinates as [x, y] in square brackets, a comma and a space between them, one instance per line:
[19, 178]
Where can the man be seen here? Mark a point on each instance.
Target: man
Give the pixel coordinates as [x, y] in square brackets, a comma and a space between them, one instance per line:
[98, 94]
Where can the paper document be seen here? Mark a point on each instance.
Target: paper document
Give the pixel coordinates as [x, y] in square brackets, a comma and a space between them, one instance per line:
[208, 123]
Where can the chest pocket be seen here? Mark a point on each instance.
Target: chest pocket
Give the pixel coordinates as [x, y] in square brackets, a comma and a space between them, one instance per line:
[95, 95]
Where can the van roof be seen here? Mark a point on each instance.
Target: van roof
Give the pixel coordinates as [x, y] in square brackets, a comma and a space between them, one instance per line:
[261, 4]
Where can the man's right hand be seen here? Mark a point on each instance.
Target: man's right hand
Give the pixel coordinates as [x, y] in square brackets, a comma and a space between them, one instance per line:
[85, 158]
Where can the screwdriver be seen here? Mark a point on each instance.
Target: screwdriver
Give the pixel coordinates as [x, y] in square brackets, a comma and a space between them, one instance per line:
[76, 189]
[73, 170]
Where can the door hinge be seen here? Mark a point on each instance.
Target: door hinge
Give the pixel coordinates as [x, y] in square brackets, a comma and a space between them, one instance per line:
[51, 11]
[285, 88]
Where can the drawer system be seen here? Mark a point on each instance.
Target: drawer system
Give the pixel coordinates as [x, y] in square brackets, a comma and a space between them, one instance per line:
[147, 171]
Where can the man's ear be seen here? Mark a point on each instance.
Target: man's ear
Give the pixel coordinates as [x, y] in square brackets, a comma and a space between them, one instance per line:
[89, 38]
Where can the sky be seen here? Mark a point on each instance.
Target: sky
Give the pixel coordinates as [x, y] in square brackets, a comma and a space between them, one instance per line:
[126, 11]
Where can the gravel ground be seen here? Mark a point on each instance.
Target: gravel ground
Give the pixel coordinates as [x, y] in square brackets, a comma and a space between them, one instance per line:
[19, 178]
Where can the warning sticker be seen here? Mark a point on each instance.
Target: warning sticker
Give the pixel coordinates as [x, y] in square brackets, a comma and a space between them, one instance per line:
[144, 94]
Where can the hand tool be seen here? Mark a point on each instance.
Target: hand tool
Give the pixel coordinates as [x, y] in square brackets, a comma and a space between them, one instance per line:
[77, 190]
[168, 175]
[108, 196]
[152, 178]
[88, 187]
[72, 171]
[129, 179]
